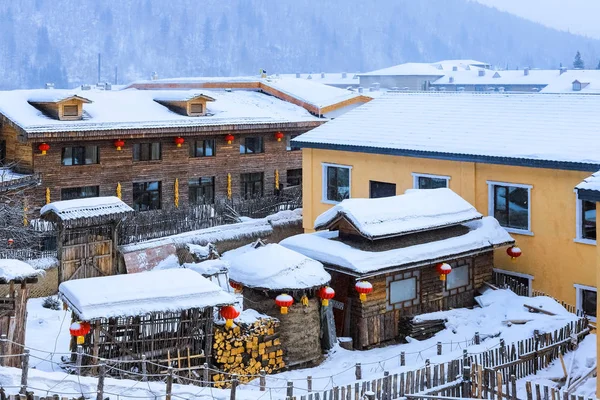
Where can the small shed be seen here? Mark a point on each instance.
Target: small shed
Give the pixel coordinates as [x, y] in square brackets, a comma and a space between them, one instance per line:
[397, 244]
[266, 271]
[165, 316]
[13, 308]
[87, 235]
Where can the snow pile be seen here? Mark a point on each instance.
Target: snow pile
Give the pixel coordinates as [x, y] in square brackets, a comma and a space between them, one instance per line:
[484, 234]
[168, 263]
[208, 267]
[592, 182]
[317, 94]
[86, 208]
[416, 210]
[142, 293]
[44, 263]
[275, 267]
[15, 270]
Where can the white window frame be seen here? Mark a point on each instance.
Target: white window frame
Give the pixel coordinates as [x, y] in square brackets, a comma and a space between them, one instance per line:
[491, 185]
[578, 227]
[579, 297]
[324, 181]
[417, 175]
[520, 275]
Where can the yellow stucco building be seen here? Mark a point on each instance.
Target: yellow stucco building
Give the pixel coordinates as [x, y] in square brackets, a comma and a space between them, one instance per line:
[517, 157]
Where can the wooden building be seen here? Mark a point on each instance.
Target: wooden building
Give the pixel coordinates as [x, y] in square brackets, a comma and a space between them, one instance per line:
[396, 244]
[166, 316]
[267, 271]
[155, 149]
[13, 309]
[87, 235]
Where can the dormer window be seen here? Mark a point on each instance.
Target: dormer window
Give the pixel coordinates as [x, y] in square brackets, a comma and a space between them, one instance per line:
[61, 107]
[576, 86]
[191, 105]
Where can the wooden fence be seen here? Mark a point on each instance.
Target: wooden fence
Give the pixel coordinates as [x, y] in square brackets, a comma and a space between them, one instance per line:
[535, 391]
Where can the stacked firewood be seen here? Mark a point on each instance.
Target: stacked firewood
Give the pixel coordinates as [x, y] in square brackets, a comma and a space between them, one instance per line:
[420, 330]
[246, 349]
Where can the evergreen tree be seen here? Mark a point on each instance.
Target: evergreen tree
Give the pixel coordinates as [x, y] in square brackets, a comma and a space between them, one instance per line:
[578, 62]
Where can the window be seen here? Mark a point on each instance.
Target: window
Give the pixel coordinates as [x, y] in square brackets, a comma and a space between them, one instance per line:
[70, 111]
[289, 145]
[146, 151]
[252, 145]
[146, 196]
[425, 181]
[202, 148]
[510, 205]
[336, 183]
[576, 86]
[586, 300]
[79, 192]
[459, 277]
[252, 185]
[80, 155]
[403, 290]
[381, 189]
[294, 177]
[196, 108]
[202, 190]
[586, 222]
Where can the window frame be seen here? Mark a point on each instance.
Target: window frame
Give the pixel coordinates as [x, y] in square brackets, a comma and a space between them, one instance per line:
[70, 107]
[245, 145]
[288, 142]
[417, 175]
[243, 185]
[371, 182]
[84, 147]
[324, 167]
[400, 276]
[147, 183]
[579, 223]
[491, 204]
[150, 145]
[468, 262]
[579, 298]
[518, 275]
[200, 187]
[287, 177]
[194, 147]
[97, 187]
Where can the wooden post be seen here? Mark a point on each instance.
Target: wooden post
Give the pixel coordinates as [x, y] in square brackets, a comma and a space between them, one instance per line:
[3, 350]
[513, 387]
[100, 388]
[502, 347]
[79, 358]
[439, 348]
[169, 383]
[477, 338]
[358, 372]
[24, 371]
[528, 390]
[309, 383]
[205, 374]
[290, 390]
[370, 395]
[402, 359]
[466, 384]
[234, 383]
[386, 386]
[263, 380]
[536, 335]
[144, 368]
[499, 384]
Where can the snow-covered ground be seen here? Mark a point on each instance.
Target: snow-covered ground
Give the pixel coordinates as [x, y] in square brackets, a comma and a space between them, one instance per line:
[47, 331]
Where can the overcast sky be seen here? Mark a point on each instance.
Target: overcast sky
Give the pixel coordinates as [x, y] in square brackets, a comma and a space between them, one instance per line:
[576, 16]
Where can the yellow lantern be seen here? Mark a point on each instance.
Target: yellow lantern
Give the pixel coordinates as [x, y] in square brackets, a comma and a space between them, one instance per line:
[47, 195]
[119, 190]
[229, 186]
[176, 193]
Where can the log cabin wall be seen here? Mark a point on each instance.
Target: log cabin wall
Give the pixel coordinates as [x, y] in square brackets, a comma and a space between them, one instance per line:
[18, 152]
[376, 321]
[118, 167]
[13, 318]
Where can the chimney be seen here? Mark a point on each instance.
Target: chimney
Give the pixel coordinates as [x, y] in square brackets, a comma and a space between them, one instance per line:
[322, 75]
[297, 75]
[481, 72]
[49, 85]
[360, 89]
[344, 75]
[526, 71]
[455, 68]
[451, 79]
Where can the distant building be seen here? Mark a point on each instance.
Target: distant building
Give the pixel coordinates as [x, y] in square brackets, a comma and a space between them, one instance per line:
[576, 81]
[484, 80]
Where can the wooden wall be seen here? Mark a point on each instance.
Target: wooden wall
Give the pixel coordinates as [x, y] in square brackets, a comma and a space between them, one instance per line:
[375, 321]
[12, 324]
[118, 167]
[18, 152]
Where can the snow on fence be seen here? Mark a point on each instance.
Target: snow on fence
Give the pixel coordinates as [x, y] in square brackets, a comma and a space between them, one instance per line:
[543, 392]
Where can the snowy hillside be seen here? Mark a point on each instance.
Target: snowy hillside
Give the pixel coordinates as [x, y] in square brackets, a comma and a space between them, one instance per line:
[236, 37]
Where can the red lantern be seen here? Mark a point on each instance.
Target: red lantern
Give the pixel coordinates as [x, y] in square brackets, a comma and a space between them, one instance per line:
[284, 301]
[443, 269]
[363, 288]
[514, 252]
[11, 241]
[326, 293]
[279, 136]
[229, 138]
[119, 144]
[179, 141]
[237, 286]
[44, 147]
[80, 329]
[229, 313]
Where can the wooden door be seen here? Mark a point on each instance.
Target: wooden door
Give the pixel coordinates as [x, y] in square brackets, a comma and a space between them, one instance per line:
[87, 260]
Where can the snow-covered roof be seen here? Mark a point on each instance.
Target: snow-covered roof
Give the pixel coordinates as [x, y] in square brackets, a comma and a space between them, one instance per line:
[417, 210]
[15, 270]
[548, 130]
[509, 77]
[339, 79]
[67, 210]
[54, 96]
[589, 79]
[142, 293]
[136, 109]
[448, 64]
[425, 69]
[482, 235]
[208, 267]
[177, 95]
[592, 182]
[275, 267]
